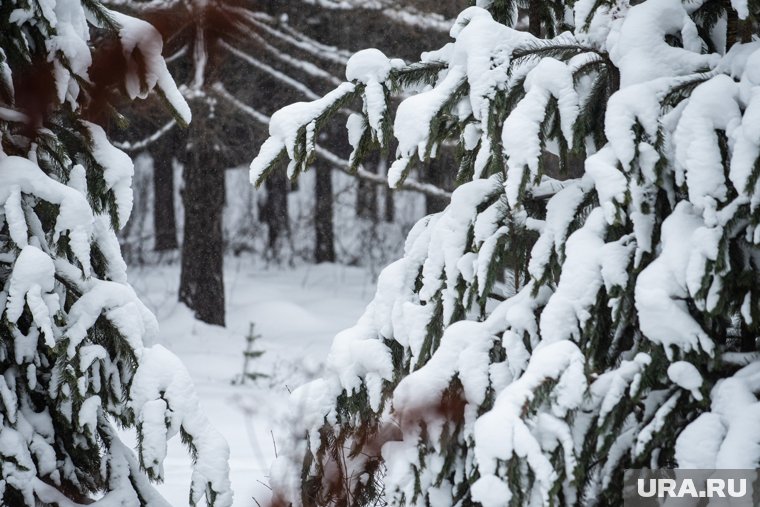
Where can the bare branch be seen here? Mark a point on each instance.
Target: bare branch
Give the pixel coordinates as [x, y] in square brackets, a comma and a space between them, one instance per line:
[151, 5]
[180, 53]
[302, 65]
[408, 184]
[245, 108]
[271, 71]
[306, 44]
[409, 16]
[415, 18]
[8, 114]
[141, 145]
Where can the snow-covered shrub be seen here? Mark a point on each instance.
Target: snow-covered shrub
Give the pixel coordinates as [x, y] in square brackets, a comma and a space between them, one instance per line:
[543, 333]
[77, 347]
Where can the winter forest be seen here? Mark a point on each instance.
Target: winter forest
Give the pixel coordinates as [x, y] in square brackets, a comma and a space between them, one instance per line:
[439, 253]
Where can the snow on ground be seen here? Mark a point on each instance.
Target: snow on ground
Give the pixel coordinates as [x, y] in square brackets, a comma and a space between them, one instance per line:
[296, 310]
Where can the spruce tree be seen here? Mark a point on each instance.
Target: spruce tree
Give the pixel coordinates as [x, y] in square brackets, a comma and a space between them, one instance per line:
[587, 302]
[77, 347]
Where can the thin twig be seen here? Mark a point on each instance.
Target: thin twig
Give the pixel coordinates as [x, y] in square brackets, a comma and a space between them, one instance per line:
[274, 443]
[345, 476]
[141, 145]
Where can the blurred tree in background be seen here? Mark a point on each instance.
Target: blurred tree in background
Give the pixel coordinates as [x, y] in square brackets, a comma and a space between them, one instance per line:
[238, 61]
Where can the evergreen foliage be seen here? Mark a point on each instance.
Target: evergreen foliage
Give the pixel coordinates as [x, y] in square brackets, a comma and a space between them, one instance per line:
[249, 354]
[555, 324]
[76, 344]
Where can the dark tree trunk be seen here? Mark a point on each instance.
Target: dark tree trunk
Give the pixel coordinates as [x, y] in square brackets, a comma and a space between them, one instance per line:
[390, 205]
[324, 247]
[732, 27]
[164, 222]
[436, 174]
[737, 30]
[201, 280]
[274, 213]
[534, 18]
[389, 202]
[366, 193]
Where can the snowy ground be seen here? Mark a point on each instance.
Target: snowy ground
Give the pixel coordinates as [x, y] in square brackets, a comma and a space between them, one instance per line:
[296, 310]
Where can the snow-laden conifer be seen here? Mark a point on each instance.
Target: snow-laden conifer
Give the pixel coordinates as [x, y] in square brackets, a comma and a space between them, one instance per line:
[78, 353]
[561, 320]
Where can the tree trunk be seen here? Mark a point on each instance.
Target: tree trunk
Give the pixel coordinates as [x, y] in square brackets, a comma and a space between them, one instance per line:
[389, 208]
[274, 213]
[737, 30]
[324, 247]
[732, 26]
[534, 18]
[164, 222]
[366, 193]
[436, 174]
[201, 280]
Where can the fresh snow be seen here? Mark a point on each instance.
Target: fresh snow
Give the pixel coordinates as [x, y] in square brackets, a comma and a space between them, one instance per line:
[638, 47]
[139, 36]
[297, 311]
[117, 170]
[550, 78]
[519, 354]
[686, 375]
[79, 353]
[285, 127]
[662, 287]
[74, 217]
[371, 67]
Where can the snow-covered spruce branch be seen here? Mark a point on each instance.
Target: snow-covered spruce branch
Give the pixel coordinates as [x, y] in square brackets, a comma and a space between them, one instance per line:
[293, 131]
[335, 160]
[562, 48]
[373, 76]
[627, 334]
[78, 352]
